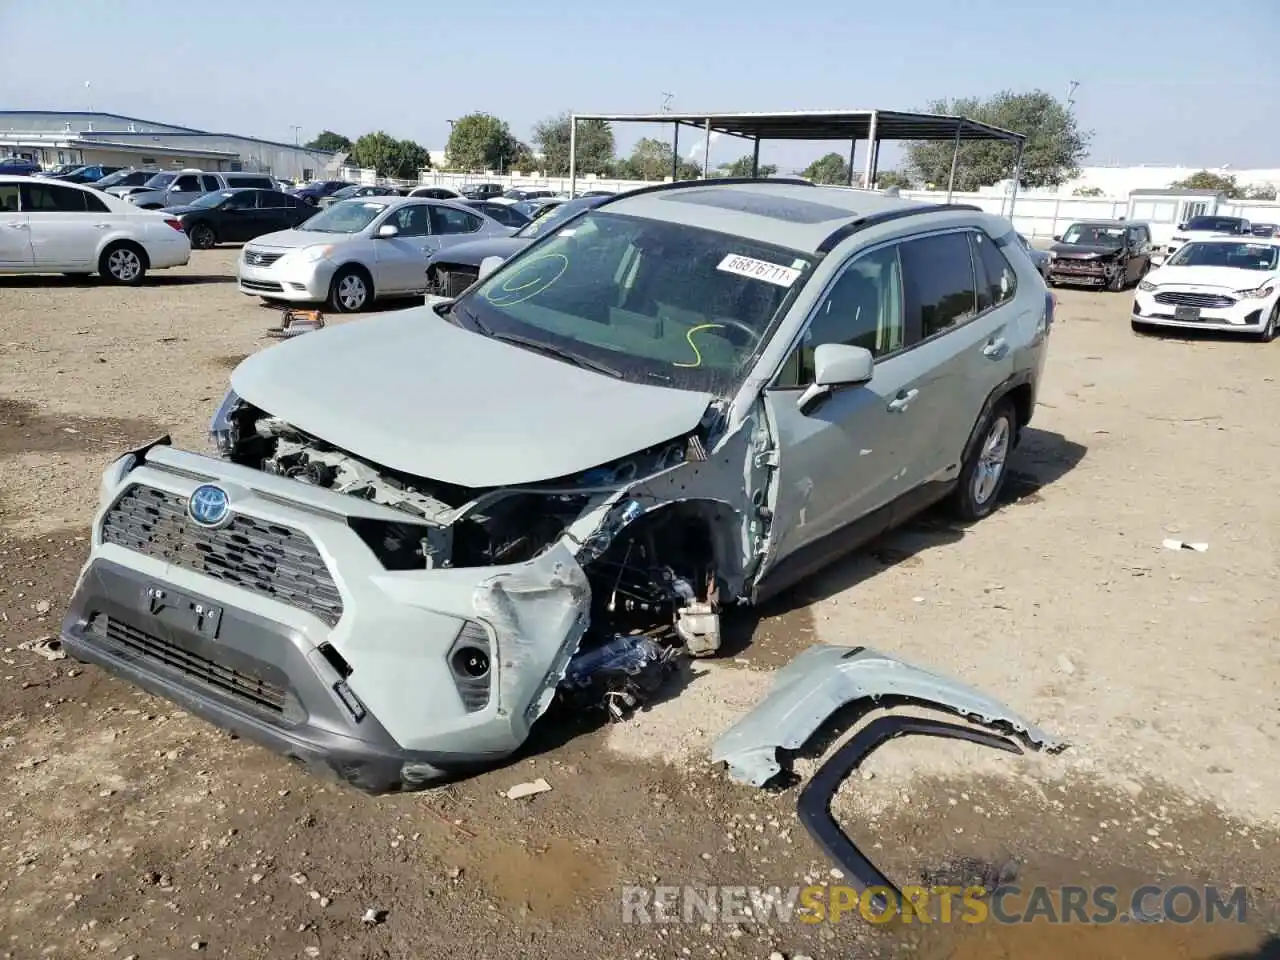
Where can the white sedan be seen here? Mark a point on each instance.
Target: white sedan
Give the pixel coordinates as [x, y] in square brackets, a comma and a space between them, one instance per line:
[1223, 283]
[53, 227]
[358, 250]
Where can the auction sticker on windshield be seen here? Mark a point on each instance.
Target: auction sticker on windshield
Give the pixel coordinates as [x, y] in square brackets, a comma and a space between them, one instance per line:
[759, 270]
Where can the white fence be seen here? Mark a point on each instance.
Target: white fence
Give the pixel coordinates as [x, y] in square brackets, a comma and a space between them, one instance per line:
[1036, 216]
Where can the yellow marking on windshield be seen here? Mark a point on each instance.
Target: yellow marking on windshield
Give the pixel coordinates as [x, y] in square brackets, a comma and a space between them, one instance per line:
[508, 295]
[694, 347]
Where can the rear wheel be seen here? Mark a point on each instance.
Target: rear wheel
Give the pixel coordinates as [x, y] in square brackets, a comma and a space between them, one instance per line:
[351, 290]
[203, 237]
[982, 474]
[123, 263]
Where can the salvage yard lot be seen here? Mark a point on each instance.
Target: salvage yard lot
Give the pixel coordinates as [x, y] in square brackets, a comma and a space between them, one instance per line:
[131, 829]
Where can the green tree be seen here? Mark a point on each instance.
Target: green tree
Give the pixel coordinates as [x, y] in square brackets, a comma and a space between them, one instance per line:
[1204, 180]
[522, 159]
[1260, 191]
[1087, 192]
[330, 141]
[1054, 148]
[651, 160]
[480, 141]
[594, 145]
[827, 169]
[390, 157]
[893, 178]
[742, 168]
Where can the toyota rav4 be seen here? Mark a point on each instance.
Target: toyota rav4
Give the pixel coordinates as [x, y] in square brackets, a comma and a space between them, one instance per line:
[421, 529]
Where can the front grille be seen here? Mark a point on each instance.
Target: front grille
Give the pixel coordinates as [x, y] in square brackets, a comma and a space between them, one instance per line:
[240, 684]
[1078, 266]
[265, 286]
[268, 558]
[259, 258]
[1211, 301]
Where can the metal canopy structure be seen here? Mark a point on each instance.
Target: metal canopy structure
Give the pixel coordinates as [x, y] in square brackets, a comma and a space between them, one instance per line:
[869, 126]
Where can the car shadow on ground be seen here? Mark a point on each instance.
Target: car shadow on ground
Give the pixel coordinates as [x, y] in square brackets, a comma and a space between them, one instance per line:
[1041, 459]
[1188, 335]
[53, 281]
[388, 305]
[1269, 949]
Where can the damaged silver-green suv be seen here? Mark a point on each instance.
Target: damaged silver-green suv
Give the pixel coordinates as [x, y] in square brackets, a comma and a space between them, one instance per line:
[420, 529]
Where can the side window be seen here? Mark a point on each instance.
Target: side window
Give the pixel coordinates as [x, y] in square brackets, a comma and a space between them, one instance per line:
[938, 279]
[94, 204]
[8, 198]
[272, 200]
[210, 183]
[187, 183]
[862, 309]
[258, 183]
[996, 279]
[451, 220]
[412, 220]
[46, 198]
[240, 201]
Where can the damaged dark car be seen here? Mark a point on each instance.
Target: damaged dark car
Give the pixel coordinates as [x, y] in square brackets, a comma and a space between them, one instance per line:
[1113, 254]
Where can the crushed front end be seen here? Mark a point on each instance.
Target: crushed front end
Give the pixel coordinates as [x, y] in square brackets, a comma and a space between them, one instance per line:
[394, 630]
[1087, 269]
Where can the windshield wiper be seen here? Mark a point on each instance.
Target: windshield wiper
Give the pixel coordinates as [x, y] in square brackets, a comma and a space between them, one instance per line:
[545, 348]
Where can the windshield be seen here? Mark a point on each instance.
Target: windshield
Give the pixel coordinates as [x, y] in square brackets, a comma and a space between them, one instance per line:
[348, 216]
[1094, 234]
[345, 192]
[212, 199]
[1216, 224]
[1238, 256]
[660, 303]
[111, 179]
[160, 181]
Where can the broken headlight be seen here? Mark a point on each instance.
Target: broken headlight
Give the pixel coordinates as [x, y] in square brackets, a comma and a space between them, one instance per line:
[223, 430]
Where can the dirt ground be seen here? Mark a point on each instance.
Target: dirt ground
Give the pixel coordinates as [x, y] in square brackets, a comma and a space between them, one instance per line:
[132, 830]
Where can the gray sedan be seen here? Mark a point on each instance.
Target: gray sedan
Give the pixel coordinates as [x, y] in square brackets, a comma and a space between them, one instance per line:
[1039, 257]
[359, 250]
[452, 270]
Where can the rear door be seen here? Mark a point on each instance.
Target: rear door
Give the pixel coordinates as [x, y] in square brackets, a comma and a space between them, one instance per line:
[15, 234]
[959, 293]
[240, 219]
[65, 224]
[275, 211]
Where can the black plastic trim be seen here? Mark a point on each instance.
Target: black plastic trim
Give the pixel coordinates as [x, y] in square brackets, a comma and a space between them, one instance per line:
[843, 233]
[814, 805]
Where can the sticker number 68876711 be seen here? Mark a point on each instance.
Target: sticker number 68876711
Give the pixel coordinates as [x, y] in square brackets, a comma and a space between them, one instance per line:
[773, 273]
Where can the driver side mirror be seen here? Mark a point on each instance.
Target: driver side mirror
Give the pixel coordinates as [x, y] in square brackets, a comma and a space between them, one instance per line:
[1057, 238]
[836, 365]
[1182, 226]
[386, 231]
[488, 265]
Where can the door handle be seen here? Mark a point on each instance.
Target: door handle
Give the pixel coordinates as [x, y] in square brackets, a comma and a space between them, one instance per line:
[16, 226]
[995, 348]
[102, 226]
[900, 403]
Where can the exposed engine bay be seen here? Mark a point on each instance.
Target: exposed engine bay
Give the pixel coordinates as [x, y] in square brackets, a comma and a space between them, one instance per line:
[653, 575]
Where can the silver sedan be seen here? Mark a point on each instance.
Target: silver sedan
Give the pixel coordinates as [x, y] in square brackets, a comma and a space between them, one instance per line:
[359, 250]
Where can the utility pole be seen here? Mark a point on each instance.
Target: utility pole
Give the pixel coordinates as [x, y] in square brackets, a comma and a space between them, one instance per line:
[296, 128]
[666, 102]
[1072, 86]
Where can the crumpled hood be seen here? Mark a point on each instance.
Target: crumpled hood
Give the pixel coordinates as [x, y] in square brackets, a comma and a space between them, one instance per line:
[473, 252]
[1082, 251]
[1217, 278]
[412, 392]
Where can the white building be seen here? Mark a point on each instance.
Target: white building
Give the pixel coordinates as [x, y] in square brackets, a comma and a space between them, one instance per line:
[1121, 181]
[51, 137]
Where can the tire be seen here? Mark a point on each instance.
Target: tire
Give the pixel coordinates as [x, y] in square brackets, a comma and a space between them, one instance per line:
[984, 470]
[351, 290]
[203, 237]
[1116, 283]
[123, 263]
[1273, 321]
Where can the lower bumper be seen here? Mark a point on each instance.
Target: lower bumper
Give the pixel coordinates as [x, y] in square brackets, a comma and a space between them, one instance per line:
[1082, 279]
[259, 679]
[162, 255]
[1207, 323]
[284, 284]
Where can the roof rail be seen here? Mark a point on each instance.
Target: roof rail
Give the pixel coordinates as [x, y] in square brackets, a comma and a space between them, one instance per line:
[711, 182]
[843, 233]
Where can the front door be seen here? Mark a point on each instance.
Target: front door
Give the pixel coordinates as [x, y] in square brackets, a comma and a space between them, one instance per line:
[402, 259]
[15, 232]
[183, 190]
[843, 459]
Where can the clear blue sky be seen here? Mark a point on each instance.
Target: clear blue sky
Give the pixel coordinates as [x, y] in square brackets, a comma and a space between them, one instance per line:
[1177, 81]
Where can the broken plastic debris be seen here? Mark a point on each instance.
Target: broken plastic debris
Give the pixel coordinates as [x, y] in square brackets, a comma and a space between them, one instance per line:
[521, 790]
[1184, 545]
[372, 916]
[48, 647]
